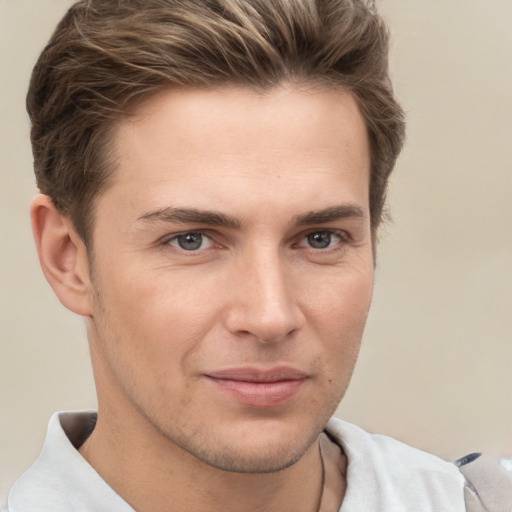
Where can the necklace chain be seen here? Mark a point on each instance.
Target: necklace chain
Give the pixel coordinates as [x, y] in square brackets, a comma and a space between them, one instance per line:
[318, 509]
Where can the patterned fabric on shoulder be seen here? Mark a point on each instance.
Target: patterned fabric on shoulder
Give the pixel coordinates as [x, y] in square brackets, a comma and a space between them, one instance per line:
[488, 482]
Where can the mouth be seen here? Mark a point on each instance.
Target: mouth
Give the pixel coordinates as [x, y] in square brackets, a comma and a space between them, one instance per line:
[259, 388]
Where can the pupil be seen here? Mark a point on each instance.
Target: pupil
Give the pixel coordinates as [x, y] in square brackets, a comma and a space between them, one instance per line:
[320, 240]
[190, 241]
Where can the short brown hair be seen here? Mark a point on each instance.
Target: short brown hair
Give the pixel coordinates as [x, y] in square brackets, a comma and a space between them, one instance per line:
[107, 55]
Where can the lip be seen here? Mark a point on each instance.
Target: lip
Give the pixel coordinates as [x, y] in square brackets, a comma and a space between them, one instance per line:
[259, 387]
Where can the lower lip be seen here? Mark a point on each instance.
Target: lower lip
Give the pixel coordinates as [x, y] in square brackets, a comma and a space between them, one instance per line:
[260, 394]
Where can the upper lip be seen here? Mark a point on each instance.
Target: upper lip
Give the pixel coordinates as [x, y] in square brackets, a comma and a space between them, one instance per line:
[276, 374]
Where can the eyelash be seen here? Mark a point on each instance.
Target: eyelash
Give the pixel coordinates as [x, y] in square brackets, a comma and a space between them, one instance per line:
[343, 238]
[167, 240]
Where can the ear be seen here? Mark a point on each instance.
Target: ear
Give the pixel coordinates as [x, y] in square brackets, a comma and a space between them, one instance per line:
[62, 255]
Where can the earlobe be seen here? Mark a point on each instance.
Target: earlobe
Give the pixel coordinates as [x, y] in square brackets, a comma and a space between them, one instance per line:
[62, 255]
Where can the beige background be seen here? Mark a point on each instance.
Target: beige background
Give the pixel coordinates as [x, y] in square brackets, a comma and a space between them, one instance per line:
[436, 365]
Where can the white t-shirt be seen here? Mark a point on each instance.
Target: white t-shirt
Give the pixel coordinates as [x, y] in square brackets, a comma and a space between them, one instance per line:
[383, 475]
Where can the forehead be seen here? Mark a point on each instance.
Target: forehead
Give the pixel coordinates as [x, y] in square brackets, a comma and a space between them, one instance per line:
[214, 146]
[247, 119]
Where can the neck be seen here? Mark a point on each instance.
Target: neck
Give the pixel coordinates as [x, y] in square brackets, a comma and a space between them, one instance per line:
[153, 474]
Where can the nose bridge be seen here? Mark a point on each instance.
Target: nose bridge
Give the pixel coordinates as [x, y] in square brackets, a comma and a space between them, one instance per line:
[264, 304]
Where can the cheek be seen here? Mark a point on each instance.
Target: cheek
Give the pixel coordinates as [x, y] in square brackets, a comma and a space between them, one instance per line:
[339, 317]
[158, 318]
[343, 301]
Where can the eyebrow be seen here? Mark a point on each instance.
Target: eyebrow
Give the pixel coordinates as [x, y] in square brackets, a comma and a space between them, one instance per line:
[213, 218]
[192, 215]
[330, 214]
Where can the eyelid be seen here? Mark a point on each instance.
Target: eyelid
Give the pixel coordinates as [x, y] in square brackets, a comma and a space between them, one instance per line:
[167, 239]
[343, 235]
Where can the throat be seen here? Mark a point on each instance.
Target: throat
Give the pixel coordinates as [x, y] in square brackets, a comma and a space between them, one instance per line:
[149, 481]
[334, 463]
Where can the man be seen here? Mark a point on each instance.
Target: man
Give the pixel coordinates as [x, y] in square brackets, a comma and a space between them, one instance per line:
[213, 176]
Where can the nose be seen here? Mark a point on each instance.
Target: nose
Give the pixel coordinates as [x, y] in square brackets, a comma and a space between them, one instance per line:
[263, 300]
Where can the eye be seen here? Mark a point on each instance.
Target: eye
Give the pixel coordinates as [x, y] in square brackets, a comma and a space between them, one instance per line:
[190, 241]
[321, 239]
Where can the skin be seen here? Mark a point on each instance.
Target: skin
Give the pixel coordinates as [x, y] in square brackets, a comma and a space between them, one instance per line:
[272, 189]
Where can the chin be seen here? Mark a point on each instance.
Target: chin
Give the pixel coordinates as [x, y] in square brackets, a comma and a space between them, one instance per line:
[266, 448]
[265, 460]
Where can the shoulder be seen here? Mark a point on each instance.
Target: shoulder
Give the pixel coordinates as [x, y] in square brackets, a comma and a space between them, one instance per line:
[488, 483]
[474, 483]
[386, 474]
[391, 453]
[61, 480]
[38, 489]
[41, 487]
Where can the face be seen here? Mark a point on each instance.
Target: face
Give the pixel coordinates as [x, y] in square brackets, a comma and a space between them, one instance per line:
[232, 271]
